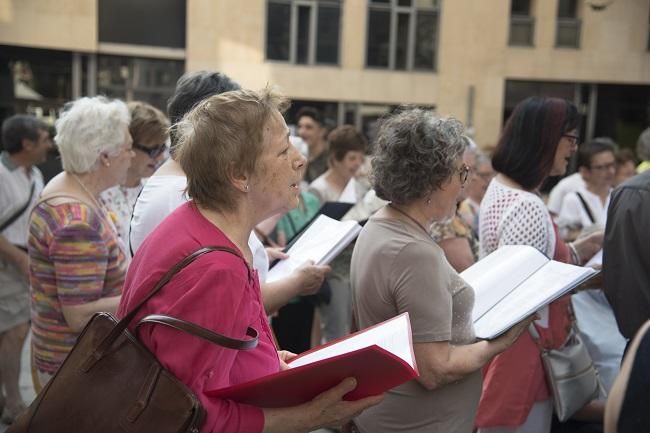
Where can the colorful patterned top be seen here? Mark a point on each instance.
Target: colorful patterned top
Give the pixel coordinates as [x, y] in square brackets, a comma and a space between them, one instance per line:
[455, 227]
[75, 258]
[120, 200]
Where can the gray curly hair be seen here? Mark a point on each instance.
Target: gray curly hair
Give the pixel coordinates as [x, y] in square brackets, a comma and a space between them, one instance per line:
[415, 153]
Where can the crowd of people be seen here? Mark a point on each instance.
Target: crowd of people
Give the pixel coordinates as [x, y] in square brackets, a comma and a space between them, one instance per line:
[141, 190]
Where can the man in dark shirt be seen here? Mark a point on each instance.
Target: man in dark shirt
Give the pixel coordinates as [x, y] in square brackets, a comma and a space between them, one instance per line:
[626, 260]
[312, 129]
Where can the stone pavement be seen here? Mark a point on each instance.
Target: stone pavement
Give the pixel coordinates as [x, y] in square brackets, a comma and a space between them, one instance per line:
[26, 386]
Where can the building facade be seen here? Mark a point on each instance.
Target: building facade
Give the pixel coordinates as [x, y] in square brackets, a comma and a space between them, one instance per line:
[355, 59]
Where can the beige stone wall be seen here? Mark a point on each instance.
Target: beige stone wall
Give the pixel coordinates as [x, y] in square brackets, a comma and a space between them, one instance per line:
[229, 35]
[474, 52]
[55, 24]
[220, 44]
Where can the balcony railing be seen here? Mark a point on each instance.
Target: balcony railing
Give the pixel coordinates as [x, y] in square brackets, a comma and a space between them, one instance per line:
[522, 28]
[568, 33]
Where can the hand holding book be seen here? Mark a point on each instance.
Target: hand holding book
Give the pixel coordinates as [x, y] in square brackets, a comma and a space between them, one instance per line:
[515, 281]
[379, 358]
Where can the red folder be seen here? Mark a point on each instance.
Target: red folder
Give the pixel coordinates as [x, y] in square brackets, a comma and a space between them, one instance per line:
[376, 370]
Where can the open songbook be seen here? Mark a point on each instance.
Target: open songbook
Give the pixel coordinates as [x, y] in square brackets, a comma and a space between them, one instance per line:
[380, 358]
[515, 281]
[321, 242]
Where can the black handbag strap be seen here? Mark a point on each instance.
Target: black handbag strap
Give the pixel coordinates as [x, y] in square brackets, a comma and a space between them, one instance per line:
[20, 211]
[586, 207]
[106, 344]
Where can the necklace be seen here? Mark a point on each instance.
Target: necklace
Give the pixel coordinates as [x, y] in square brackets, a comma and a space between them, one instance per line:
[392, 206]
[95, 201]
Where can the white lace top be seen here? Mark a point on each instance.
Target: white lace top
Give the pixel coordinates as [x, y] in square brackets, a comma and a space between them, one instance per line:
[511, 216]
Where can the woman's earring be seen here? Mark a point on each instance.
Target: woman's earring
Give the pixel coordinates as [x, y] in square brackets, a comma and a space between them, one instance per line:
[107, 163]
[246, 187]
[429, 201]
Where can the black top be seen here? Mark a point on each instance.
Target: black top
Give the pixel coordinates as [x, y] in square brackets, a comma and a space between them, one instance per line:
[635, 416]
[626, 259]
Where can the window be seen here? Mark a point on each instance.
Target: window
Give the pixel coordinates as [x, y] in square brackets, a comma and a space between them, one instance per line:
[402, 34]
[35, 81]
[159, 23]
[568, 24]
[522, 24]
[133, 78]
[303, 31]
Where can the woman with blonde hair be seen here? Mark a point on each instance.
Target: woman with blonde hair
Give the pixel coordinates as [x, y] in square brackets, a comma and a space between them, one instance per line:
[241, 168]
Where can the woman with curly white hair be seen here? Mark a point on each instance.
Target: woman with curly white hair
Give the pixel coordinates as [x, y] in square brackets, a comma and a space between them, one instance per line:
[397, 267]
[77, 262]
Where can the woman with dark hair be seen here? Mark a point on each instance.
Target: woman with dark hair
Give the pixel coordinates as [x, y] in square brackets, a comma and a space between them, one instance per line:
[538, 140]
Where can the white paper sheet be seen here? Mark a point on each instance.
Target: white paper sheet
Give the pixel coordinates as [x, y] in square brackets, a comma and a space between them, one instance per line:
[321, 243]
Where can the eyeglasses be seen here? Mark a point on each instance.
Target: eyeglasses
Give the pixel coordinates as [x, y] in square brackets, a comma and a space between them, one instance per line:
[608, 166]
[153, 152]
[574, 138]
[463, 172]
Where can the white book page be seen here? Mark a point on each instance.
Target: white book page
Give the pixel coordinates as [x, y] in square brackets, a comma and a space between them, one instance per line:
[596, 260]
[321, 242]
[349, 194]
[498, 274]
[549, 283]
[393, 335]
[345, 241]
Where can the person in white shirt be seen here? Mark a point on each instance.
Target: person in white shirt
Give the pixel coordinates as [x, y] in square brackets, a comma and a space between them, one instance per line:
[566, 186]
[165, 191]
[570, 184]
[595, 318]
[587, 206]
[346, 155]
[26, 141]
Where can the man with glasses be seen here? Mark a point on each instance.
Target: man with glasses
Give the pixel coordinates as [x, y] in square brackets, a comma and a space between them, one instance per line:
[587, 206]
[149, 129]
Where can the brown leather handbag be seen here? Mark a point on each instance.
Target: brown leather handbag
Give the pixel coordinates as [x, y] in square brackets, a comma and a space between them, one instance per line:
[111, 383]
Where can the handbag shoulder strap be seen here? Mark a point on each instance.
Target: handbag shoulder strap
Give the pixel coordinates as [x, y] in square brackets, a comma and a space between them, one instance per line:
[199, 331]
[128, 317]
[586, 207]
[105, 345]
[20, 211]
[532, 328]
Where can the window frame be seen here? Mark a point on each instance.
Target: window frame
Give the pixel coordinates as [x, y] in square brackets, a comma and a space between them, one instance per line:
[313, 31]
[518, 18]
[574, 22]
[648, 37]
[395, 9]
